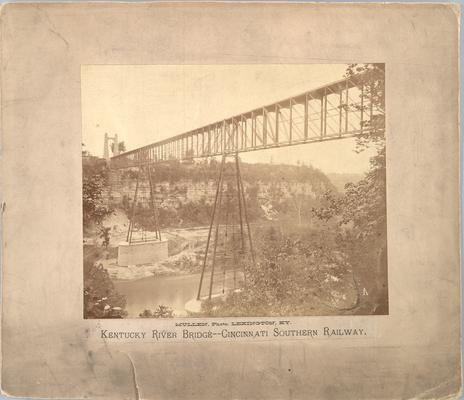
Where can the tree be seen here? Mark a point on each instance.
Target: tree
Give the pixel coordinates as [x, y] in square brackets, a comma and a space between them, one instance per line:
[121, 147]
[361, 212]
[94, 183]
[100, 297]
[105, 236]
[373, 106]
[95, 208]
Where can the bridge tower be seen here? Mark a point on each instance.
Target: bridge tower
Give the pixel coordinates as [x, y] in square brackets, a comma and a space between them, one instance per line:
[145, 246]
[229, 246]
[106, 152]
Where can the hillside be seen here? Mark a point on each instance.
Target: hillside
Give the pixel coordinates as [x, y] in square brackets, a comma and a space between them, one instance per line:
[185, 191]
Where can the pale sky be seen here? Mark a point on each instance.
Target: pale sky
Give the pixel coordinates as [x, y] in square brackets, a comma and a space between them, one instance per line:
[147, 103]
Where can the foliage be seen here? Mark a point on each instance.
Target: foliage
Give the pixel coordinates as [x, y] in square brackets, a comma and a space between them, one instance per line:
[360, 214]
[362, 207]
[295, 272]
[334, 266]
[373, 93]
[100, 297]
[196, 213]
[121, 147]
[161, 312]
[363, 204]
[94, 182]
[105, 236]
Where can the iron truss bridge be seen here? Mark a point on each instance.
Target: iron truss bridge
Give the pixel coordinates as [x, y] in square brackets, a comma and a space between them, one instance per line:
[338, 110]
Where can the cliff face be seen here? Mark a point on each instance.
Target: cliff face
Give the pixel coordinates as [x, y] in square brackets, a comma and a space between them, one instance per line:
[174, 194]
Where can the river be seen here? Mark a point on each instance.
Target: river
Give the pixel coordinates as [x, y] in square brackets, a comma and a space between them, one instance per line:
[149, 293]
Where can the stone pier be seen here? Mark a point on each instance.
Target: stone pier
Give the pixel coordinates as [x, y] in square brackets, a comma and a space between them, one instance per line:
[137, 253]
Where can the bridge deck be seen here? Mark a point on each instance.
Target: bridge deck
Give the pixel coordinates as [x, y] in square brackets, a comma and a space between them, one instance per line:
[338, 110]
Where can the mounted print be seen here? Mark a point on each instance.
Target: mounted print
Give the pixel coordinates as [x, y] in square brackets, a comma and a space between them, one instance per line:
[230, 200]
[277, 210]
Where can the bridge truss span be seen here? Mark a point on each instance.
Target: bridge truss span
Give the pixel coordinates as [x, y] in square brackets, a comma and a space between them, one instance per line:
[338, 110]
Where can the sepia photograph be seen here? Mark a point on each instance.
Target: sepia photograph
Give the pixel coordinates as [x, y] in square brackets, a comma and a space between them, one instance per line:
[209, 200]
[234, 190]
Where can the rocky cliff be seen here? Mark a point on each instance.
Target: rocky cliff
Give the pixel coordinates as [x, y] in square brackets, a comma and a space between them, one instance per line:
[267, 184]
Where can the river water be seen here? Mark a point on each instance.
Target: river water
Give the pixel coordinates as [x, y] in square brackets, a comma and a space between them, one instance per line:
[149, 293]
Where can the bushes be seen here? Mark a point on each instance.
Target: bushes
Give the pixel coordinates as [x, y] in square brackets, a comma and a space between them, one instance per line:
[187, 214]
[100, 298]
[299, 271]
[195, 213]
[161, 312]
[95, 208]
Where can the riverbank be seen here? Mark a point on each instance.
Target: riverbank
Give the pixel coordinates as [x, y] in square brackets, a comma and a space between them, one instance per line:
[186, 248]
[186, 262]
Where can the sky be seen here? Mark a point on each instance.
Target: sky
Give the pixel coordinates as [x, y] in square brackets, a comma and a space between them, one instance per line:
[143, 104]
